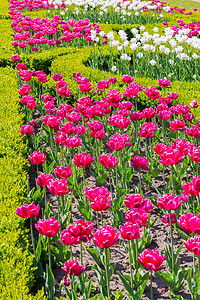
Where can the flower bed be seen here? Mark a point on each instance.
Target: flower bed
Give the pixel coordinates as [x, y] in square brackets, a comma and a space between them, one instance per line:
[76, 173]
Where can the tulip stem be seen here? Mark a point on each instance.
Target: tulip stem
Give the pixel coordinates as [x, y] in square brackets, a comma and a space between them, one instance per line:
[130, 261]
[32, 238]
[136, 254]
[140, 182]
[172, 244]
[49, 252]
[172, 174]
[164, 178]
[45, 198]
[101, 218]
[107, 279]
[199, 264]
[193, 202]
[97, 220]
[151, 285]
[97, 150]
[81, 252]
[111, 188]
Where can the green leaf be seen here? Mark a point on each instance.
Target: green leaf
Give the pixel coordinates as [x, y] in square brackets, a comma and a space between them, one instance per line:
[166, 277]
[50, 283]
[95, 256]
[141, 288]
[126, 284]
[87, 290]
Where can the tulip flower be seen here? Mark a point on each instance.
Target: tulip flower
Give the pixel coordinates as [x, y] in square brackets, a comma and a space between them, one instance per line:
[193, 245]
[92, 193]
[137, 216]
[44, 179]
[37, 158]
[26, 129]
[73, 268]
[140, 162]
[108, 161]
[49, 228]
[130, 231]
[58, 187]
[105, 237]
[166, 220]
[28, 210]
[152, 260]
[118, 141]
[136, 201]
[63, 172]
[169, 202]
[190, 223]
[83, 160]
[100, 203]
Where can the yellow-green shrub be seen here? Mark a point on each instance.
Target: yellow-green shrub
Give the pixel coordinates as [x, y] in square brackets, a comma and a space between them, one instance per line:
[16, 271]
[75, 62]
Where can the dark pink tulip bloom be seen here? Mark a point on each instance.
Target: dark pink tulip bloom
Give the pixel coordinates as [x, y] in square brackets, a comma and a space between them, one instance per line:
[95, 125]
[58, 187]
[147, 130]
[164, 83]
[188, 189]
[15, 57]
[193, 245]
[26, 129]
[108, 161]
[177, 124]
[171, 157]
[136, 116]
[151, 259]
[105, 237]
[91, 194]
[73, 141]
[127, 79]
[194, 153]
[137, 216]
[101, 203]
[37, 158]
[67, 238]
[190, 223]
[28, 210]
[114, 97]
[194, 103]
[140, 162]
[148, 113]
[73, 268]
[130, 231]
[99, 135]
[136, 201]
[82, 230]
[43, 179]
[167, 221]
[48, 227]
[118, 141]
[83, 160]
[63, 172]
[169, 202]
[160, 148]
[152, 93]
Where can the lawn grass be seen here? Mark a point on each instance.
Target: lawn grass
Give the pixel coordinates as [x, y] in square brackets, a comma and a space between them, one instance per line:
[189, 5]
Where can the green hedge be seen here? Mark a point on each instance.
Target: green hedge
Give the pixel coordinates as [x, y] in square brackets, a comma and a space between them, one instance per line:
[70, 63]
[16, 271]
